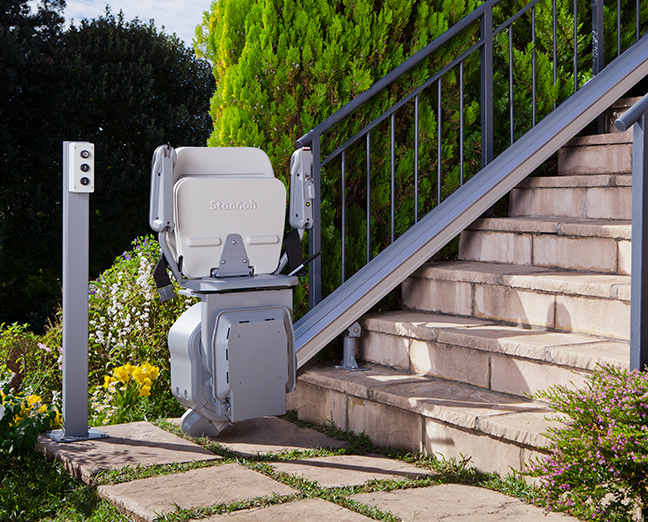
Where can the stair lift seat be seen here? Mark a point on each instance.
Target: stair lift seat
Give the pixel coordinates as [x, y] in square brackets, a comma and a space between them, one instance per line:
[220, 215]
[209, 209]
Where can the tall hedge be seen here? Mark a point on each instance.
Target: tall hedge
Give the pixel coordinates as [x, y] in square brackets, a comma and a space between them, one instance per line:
[283, 66]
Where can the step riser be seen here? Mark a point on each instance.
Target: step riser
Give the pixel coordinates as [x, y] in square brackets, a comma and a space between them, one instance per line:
[598, 254]
[493, 371]
[526, 308]
[390, 426]
[613, 158]
[581, 202]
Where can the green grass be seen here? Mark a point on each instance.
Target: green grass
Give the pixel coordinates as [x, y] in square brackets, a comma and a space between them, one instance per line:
[33, 489]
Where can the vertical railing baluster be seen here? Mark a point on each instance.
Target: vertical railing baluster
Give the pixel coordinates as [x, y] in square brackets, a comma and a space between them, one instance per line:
[598, 35]
[487, 87]
[618, 27]
[343, 224]
[511, 93]
[315, 233]
[393, 181]
[533, 65]
[461, 123]
[555, 47]
[575, 46]
[439, 143]
[416, 159]
[598, 52]
[368, 197]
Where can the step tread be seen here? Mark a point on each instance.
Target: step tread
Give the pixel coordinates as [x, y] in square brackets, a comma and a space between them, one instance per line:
[610, 138]
[578, 351]
[528, 277]
[577, 181]
[515, 419]
[562, 226]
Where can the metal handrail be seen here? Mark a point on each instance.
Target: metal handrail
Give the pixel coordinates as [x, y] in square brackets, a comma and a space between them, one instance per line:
[632, 115]
[637, 119]
[485, 45]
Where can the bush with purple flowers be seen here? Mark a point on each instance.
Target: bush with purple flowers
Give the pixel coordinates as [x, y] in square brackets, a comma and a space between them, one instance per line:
[597, 467]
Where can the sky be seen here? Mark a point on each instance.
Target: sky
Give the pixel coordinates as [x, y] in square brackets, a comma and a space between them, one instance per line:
[177, 16]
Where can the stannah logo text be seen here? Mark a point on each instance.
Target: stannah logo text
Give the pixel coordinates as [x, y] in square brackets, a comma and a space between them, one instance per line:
[233, 205]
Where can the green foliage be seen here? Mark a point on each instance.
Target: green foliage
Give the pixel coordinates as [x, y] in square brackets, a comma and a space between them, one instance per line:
[119, 84]
[27, 357]
[597, 464]
[22, 417]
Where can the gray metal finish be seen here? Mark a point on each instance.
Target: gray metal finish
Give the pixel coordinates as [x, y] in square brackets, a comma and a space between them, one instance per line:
[254, 348]
[349, 362]
[439, 226]
[637, 118]
[75, 304]
[234, 261]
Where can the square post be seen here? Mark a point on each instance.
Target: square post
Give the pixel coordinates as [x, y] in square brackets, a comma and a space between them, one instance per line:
[639, 277]
[78, 183]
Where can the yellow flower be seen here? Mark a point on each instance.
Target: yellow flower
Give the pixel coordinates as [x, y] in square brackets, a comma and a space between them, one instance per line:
[122, 374]
[145, 391]
[108, 380]
[138, 374]
[33, 399]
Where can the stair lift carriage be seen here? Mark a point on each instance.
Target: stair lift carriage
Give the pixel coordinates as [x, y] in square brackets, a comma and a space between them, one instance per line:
[219, 214]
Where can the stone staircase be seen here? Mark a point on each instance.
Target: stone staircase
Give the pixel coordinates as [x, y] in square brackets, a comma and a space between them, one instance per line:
[537, 298]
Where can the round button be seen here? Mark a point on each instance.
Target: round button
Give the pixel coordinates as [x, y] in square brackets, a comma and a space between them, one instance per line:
[85, 181]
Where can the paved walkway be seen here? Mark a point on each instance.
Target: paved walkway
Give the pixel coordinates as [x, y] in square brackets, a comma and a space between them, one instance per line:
[255, 495]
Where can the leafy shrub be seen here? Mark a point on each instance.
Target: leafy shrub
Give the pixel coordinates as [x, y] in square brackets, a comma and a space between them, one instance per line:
[598, 461]
[33, 364]
[22, 417]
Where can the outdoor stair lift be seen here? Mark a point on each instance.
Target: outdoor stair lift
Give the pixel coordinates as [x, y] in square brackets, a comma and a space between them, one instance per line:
[220, 217]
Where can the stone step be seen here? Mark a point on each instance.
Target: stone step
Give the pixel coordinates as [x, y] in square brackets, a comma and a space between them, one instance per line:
[574, 244]
[601, 196]
[496, 357]
[600, 154]
[499, 432]
[527, 296]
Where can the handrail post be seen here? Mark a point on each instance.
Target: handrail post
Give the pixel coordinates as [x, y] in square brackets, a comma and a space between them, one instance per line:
[487, 87]
[637, 117]
[639, 277]
[315, 233]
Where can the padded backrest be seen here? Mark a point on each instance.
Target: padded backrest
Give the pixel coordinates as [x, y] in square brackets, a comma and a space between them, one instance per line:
[223, 191]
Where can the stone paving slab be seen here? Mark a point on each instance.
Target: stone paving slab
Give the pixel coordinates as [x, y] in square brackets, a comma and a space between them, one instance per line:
[144, 499]
[349, 470]
[456, 502]
[311, 509]
[134, 444]
[272, 435]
